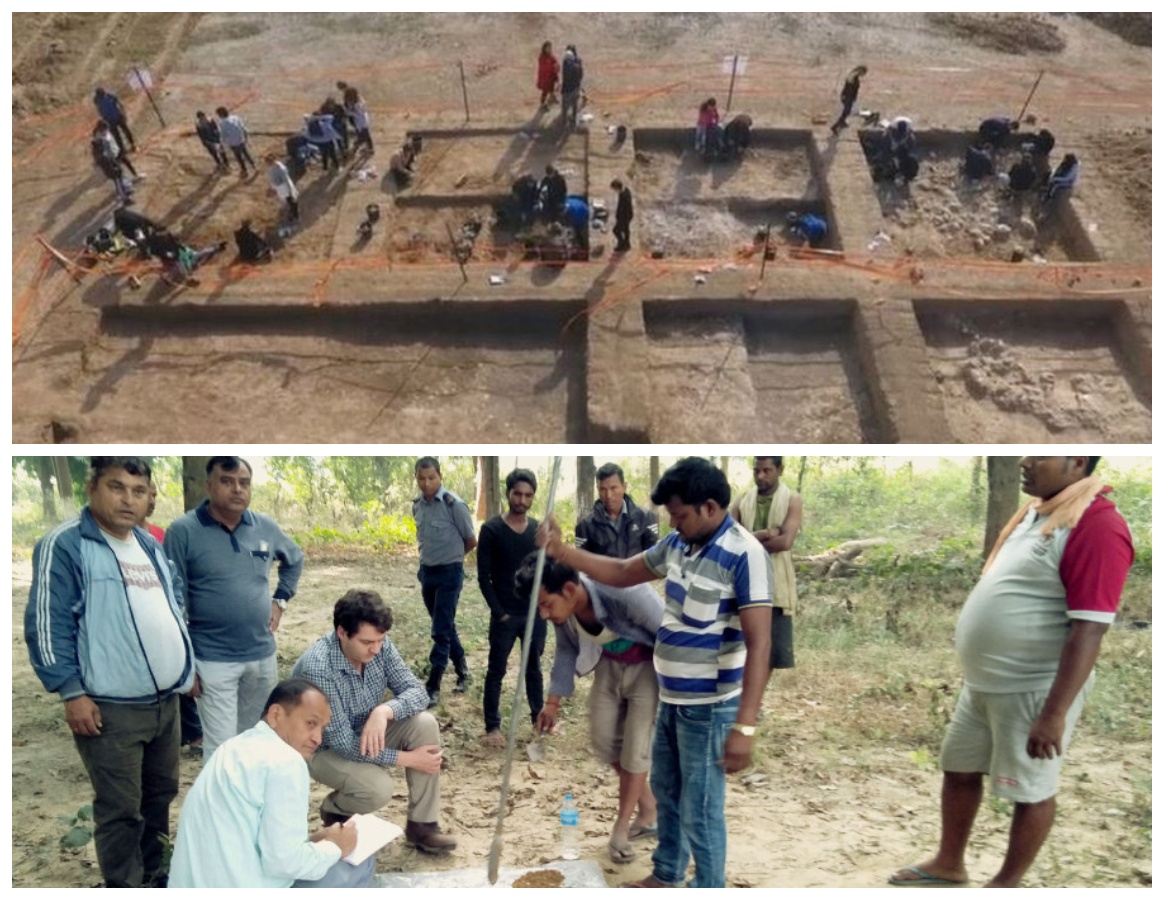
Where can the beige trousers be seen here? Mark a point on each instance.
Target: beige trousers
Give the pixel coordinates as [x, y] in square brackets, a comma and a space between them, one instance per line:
[364, 787]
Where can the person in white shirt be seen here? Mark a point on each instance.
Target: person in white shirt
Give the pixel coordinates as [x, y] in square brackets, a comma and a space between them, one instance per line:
[244, 822]
[282, 185]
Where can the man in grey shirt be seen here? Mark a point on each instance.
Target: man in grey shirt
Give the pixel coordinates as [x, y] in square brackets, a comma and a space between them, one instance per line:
[222, 554]
[444, 529]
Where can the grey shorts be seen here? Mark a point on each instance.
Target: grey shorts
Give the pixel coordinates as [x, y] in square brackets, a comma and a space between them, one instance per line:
[780, 656]
[623, 702]
[988, 733]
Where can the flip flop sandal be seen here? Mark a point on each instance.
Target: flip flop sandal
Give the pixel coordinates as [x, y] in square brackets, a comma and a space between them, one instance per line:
[638, 832]
[924, 879]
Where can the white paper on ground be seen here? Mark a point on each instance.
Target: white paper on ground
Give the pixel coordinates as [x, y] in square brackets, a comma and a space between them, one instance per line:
[372, 833]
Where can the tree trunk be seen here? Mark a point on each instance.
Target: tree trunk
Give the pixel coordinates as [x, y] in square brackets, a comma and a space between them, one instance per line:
[193, 480]
[1002, 474]
[64, 484]
[44, 470]
[654, 476]
[800, 474]
[584, 493]
[723, 464]
[489, 491]
[977, 494]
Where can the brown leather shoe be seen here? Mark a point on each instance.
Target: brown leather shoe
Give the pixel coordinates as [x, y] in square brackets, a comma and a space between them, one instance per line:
[330, 818]
[428, 837]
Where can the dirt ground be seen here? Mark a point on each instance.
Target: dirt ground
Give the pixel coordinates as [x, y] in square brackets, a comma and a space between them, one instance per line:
[837, 797]
[85, 357]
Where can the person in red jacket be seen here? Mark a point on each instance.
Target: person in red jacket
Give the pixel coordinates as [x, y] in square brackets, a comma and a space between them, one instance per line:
[548, 75]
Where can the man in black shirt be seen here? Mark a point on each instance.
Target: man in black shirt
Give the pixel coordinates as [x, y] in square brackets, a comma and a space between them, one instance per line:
[623, 213]
[553, 189]
[849, 92]
[503, 543]
[615, 527]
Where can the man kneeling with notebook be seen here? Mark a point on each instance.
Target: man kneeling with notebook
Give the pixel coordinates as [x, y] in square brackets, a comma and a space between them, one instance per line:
[244, 822]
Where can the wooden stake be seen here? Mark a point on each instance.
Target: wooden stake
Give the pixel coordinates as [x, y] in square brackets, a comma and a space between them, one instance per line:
[464, 89]
[1030, 95]
[149, 96]
[732, 86]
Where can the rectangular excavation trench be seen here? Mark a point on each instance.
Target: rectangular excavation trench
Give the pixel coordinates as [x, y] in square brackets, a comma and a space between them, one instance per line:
[464, 176]
[777, 372]
[1035, 371]
[941, 214]
[472, 166]
[466, 371]
[688, 207]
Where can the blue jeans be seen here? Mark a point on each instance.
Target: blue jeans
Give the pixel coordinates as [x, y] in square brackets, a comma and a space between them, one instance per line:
[440, 587]
[342, 875]
[690, 785]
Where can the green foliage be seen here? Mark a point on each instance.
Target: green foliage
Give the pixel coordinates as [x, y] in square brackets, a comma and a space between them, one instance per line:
[379, 531]
[80, 828]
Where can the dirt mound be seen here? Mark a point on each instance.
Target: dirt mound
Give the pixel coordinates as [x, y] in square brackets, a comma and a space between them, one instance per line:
[1005, 32]
[1125, 160]
[1134, 27]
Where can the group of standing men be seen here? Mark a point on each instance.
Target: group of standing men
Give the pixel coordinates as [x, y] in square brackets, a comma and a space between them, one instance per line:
[119, 628]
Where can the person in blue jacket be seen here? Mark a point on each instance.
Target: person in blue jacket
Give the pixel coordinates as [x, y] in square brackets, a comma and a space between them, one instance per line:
[106, 632]
[578, 219]
[809, 228]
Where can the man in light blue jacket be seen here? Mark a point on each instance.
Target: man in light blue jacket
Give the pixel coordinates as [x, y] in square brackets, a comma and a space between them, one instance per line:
[106, 632]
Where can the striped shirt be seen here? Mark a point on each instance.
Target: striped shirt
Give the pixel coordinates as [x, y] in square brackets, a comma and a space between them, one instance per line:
[700, 649]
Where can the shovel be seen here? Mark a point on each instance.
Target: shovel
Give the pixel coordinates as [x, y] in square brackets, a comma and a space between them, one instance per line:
[499, 834]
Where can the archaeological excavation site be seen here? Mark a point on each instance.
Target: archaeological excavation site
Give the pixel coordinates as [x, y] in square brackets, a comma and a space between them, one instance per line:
[934, 309]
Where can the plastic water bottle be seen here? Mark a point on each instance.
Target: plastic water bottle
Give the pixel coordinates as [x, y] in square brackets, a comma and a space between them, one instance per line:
[569, 820]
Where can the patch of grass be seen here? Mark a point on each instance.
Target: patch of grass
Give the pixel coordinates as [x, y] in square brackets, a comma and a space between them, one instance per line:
[1016, 33]
[1120, 706]
[237, 28]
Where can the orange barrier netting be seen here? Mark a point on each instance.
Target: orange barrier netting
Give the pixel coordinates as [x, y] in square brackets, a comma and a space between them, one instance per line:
[1063, 278]
[1062, 91]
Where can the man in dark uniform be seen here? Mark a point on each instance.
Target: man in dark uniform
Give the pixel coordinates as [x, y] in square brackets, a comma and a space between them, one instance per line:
[444, 529]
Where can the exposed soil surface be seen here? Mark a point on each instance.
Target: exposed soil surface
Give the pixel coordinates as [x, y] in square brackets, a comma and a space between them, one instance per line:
[843, 791]
[101, 354]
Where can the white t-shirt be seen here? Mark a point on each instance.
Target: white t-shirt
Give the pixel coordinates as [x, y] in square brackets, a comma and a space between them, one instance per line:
[161, 635]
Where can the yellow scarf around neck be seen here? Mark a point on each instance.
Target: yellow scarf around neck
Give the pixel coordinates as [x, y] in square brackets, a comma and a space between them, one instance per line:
[1062, 511]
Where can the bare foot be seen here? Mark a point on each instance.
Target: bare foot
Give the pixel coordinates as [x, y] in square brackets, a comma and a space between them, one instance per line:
[620, 850]
[930, 873]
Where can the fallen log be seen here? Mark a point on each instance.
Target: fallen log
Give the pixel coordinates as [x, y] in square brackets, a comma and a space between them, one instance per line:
[838, 561]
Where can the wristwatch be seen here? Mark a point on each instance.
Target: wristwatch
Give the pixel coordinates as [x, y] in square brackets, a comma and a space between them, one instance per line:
[280, 602]
[745, 730]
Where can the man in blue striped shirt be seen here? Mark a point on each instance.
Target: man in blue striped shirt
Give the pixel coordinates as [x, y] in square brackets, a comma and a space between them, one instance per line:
[711, 658]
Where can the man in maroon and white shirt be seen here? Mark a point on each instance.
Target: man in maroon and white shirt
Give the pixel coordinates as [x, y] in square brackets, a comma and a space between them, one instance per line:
[1028, 639]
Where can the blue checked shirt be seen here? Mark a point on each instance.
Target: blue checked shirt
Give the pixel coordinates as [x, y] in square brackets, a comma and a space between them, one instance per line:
[353, 695]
